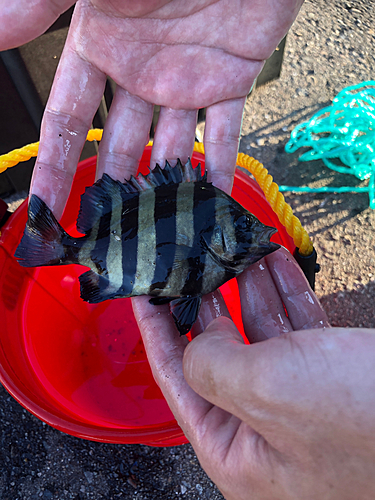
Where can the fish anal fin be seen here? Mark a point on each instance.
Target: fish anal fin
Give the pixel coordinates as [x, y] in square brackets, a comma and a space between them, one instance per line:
[185, 311]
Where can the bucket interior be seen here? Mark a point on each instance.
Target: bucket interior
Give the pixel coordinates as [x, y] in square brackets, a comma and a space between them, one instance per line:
[82, 367]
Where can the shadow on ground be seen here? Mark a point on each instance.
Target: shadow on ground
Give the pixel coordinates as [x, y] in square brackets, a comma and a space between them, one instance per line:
[348, 309]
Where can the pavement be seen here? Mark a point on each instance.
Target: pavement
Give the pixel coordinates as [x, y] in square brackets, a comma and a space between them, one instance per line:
[330, 46]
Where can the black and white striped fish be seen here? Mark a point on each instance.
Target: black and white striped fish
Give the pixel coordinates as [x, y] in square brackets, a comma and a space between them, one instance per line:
[170, 234]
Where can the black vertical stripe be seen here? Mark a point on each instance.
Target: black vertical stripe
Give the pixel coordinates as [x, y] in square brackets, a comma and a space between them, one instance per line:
[99, 252]
[165, 229]
[204, 222]
[129, 237]
[242, 234]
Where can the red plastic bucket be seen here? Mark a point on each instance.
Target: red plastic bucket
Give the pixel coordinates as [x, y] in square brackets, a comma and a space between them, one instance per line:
[82, 367]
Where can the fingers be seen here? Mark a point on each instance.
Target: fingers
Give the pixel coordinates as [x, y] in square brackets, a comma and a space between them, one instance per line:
[266, 385]
[174, 136]
[127, 130]
[263, 313]
[74, 99]
[221, 138]
[165, 350]
[213, 306]
[303, 307]
[266, 287]
[125, 135]
[209, 429]
[217, 365]
[203, 424]
[22, 21]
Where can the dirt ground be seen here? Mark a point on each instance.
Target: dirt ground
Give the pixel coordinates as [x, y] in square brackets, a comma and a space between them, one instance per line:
[330, 46]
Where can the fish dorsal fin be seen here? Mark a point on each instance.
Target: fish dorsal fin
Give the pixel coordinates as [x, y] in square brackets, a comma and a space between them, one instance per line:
[98, 199]
[190, 174]
[167, 175]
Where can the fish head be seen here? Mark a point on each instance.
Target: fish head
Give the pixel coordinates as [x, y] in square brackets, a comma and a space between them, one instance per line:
[253, 240]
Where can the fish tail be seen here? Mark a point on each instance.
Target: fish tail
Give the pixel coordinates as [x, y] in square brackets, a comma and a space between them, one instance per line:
[43, 240]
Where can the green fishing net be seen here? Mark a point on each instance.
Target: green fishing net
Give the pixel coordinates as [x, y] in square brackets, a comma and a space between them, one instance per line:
[343, 137]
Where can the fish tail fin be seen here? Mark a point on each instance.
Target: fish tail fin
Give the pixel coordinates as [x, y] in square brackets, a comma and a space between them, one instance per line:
[42, 242]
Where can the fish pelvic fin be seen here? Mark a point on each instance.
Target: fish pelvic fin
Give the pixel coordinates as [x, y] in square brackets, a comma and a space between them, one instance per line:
[43, 241]
[185, 311]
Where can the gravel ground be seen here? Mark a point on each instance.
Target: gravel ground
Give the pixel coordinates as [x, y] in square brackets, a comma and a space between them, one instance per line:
[330, 46]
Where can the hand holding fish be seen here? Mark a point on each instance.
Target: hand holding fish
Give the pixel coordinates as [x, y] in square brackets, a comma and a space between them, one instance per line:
[288, 418]
[179, 55]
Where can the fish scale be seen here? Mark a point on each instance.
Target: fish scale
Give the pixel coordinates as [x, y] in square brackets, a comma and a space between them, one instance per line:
[146, 249]
[114, 252]
[169, 234]
[204, 194]
[184, 237]
[165, 210]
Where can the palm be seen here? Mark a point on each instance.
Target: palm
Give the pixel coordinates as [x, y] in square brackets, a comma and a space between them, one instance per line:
[177, 54]
[168, 59]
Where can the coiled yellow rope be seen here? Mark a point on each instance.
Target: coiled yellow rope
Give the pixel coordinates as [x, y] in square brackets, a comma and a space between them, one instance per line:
[271, 190]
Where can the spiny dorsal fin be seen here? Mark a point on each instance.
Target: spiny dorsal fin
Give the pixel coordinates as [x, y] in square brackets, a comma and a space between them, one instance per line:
[98, 200]
[167, 175]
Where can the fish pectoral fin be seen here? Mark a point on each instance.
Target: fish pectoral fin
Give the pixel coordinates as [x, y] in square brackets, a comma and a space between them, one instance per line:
[227, 264]
[185, 311]
[95, 288]
[180, 256]
[159, 301]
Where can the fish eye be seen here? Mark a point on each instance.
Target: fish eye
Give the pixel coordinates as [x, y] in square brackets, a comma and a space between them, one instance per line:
[241, 222]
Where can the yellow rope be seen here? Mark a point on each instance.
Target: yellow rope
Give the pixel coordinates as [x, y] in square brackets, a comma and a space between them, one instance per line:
[277, 201]
[278, 204]
[17, 155]
[271, 190]
[23, 154]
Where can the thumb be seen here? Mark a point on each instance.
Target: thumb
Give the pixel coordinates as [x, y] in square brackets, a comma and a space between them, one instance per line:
[263, 384]
[221, 368]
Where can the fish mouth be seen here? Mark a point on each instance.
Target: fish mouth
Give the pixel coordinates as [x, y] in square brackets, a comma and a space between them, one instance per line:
[266, 237]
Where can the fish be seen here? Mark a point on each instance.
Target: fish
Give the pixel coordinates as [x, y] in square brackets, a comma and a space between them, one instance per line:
[170, 234]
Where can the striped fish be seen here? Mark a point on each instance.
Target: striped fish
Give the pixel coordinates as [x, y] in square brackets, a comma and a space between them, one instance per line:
[170, 234]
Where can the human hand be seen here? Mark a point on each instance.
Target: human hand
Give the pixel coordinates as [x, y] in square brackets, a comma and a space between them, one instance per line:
[179, 55]
[21, 20]
[291, 417]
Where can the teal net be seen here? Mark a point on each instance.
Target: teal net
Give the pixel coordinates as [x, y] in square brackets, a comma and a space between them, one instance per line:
[343, 137]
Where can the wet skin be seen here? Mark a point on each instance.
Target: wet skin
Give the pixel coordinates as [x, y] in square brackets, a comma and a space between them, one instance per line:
[179, 55]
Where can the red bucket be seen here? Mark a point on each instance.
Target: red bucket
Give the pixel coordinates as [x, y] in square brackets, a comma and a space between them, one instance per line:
[82, 367]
